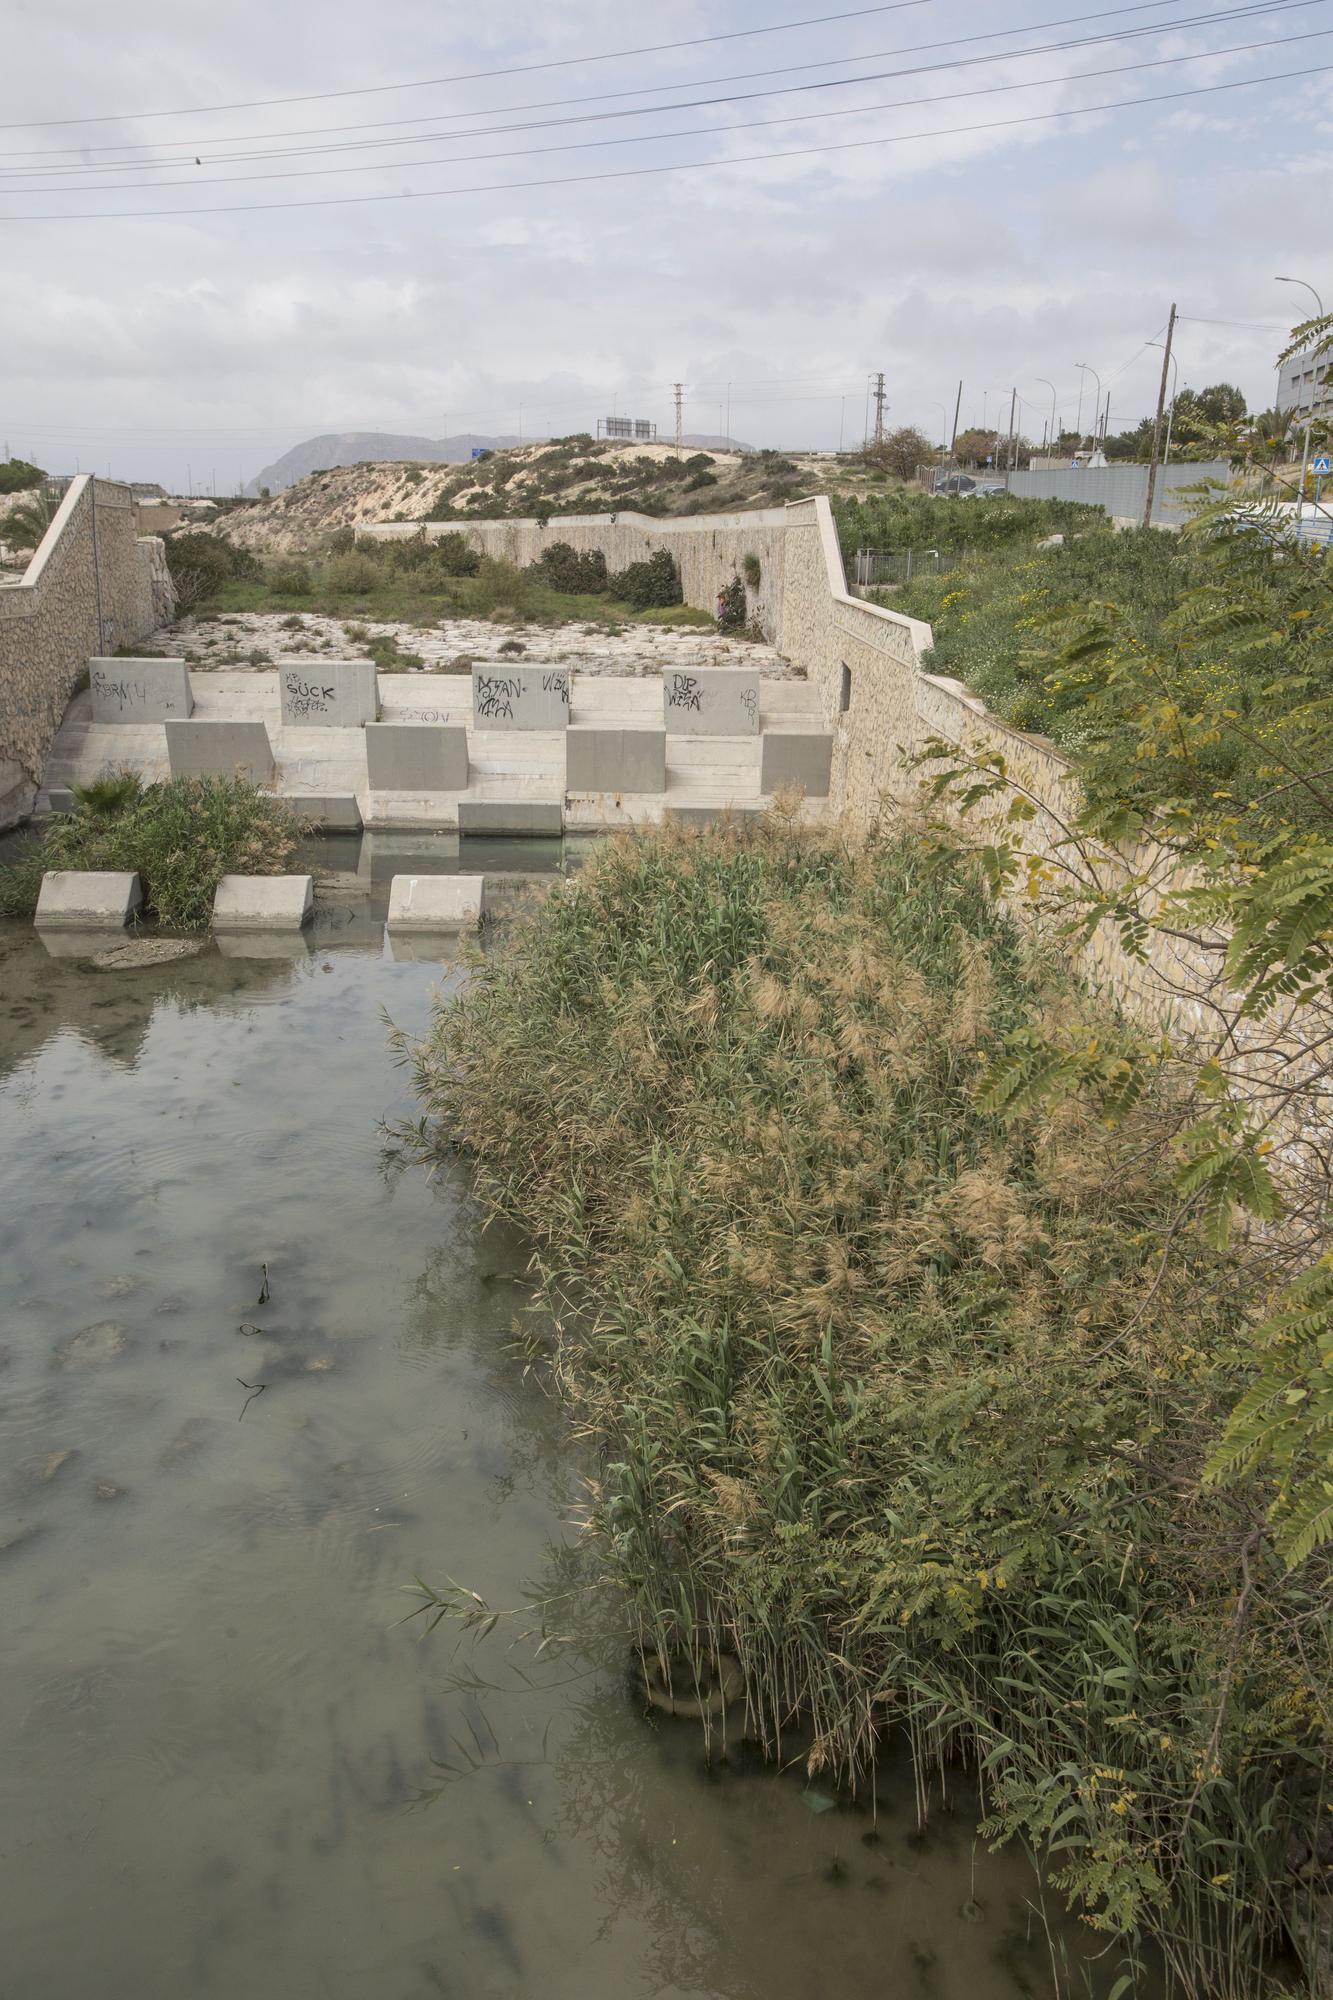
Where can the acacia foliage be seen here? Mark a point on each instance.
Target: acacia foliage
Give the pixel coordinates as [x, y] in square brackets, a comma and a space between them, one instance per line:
[892, 1395]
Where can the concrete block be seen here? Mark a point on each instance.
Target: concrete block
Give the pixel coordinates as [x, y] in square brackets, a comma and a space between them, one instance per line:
[615, 760]
[435, 902]
[416, 757]
[711, 701]
[263, 902]
[507, 697]
[139, 690]
[337, 812]
[87, 899]
[796, 757]
[525, 816]
[199, 749]
[338, 694]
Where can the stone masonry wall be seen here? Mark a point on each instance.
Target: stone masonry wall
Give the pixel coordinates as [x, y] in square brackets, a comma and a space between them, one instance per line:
[92, 586]
[709, 548]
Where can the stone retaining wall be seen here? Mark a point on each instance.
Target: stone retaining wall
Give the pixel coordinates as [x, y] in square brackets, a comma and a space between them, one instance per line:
[709, 548]
[93, 585]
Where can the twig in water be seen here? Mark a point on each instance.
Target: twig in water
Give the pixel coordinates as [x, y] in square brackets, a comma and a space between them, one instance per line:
[263, 1289]
[256, 1389]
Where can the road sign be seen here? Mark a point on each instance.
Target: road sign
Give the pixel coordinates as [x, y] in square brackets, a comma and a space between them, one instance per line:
[1321, 467]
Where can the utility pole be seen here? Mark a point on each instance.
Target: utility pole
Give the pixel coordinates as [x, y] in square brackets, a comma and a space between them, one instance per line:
[679, 389]
[1157, 420]
[879, 407]
[956, 409]
[1009, 447]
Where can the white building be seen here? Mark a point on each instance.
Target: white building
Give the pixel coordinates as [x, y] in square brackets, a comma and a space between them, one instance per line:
[1302, 385]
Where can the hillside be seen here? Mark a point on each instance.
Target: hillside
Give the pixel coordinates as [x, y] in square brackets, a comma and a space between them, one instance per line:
[561, 476]
[346, 448]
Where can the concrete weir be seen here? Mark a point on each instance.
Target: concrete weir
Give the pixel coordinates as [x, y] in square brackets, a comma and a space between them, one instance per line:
[328, 694]
[263, 903]
[207, 749]
[509, 697]
[139, 690]
[87, 899]
[582, 751]
[715, 701]
[435, 902]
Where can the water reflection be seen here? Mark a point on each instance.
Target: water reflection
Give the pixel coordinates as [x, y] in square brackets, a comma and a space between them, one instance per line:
[216, 1735]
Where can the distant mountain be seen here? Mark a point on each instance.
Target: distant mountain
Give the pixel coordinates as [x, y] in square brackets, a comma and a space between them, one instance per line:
[321, 454]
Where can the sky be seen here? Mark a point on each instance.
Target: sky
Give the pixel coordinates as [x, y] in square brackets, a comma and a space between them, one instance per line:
[600, 217]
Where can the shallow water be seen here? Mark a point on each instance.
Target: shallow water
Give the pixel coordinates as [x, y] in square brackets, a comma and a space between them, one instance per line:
[227, 1769]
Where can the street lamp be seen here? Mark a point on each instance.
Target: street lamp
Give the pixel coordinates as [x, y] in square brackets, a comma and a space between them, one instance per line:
[1175, 392]
[1089, 370]
[944, 427]
[1051, 386]
[1305, 448]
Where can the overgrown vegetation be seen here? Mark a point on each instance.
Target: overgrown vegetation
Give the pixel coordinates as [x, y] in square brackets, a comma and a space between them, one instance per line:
[896, 1400]
[648, 584]
[17, 475]
[420, 581]
[181, 836]
[1197, 666]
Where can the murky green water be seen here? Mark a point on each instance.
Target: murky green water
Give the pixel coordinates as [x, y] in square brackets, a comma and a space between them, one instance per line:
[214, 1735]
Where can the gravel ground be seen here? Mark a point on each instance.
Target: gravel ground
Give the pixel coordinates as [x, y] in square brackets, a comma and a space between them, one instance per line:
[263, 639]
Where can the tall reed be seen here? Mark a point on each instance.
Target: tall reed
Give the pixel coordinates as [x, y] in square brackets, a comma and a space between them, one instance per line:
[899, 1407]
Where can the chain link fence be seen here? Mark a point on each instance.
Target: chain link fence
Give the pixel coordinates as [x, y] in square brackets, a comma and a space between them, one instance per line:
[872, 568]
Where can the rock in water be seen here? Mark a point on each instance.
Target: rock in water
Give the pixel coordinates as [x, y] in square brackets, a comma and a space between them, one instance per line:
[137, 952]
[92, 1345]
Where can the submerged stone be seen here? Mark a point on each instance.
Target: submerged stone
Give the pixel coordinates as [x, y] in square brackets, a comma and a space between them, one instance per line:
[118, 1287]
[92, 1345]
[46, 1468]
[106, 1489]
[137, 952]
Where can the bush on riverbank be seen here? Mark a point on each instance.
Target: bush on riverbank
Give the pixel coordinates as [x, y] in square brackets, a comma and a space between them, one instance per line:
[895, 1403]
[181, 837]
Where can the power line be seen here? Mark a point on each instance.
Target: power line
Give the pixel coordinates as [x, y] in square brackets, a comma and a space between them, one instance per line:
[82, 164]
[697, 131]
[1262, 8]
[679, 166]
[467, 76]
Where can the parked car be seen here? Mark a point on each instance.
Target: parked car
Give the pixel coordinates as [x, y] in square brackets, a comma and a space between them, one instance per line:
[962, 486]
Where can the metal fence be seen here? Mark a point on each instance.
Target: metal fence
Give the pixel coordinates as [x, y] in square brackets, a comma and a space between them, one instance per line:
[871, 567]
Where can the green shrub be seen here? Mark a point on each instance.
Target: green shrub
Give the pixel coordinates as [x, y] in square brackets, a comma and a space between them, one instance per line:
[731, 610]
[342, 541]
[17, 475]
[454, 555]
[654, 581]
[350, 575]
[200, 564]
[181, 837]
[575, 574]
[751, 570]
[700, 479]
[289, 578]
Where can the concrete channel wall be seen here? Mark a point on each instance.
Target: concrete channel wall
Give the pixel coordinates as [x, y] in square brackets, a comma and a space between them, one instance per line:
[94, 584]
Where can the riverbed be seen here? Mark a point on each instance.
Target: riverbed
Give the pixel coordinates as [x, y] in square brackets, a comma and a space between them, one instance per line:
[229, 1768]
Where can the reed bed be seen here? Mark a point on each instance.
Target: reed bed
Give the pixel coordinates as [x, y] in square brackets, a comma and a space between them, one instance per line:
[898, 1407]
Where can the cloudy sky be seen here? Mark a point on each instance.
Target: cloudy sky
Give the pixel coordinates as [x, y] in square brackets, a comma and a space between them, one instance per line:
[193, 276]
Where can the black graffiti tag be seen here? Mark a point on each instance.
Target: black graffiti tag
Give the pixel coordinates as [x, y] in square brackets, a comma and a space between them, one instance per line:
[685, 691]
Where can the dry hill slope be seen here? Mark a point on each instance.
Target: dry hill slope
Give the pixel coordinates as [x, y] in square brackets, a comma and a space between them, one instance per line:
[564, 476]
